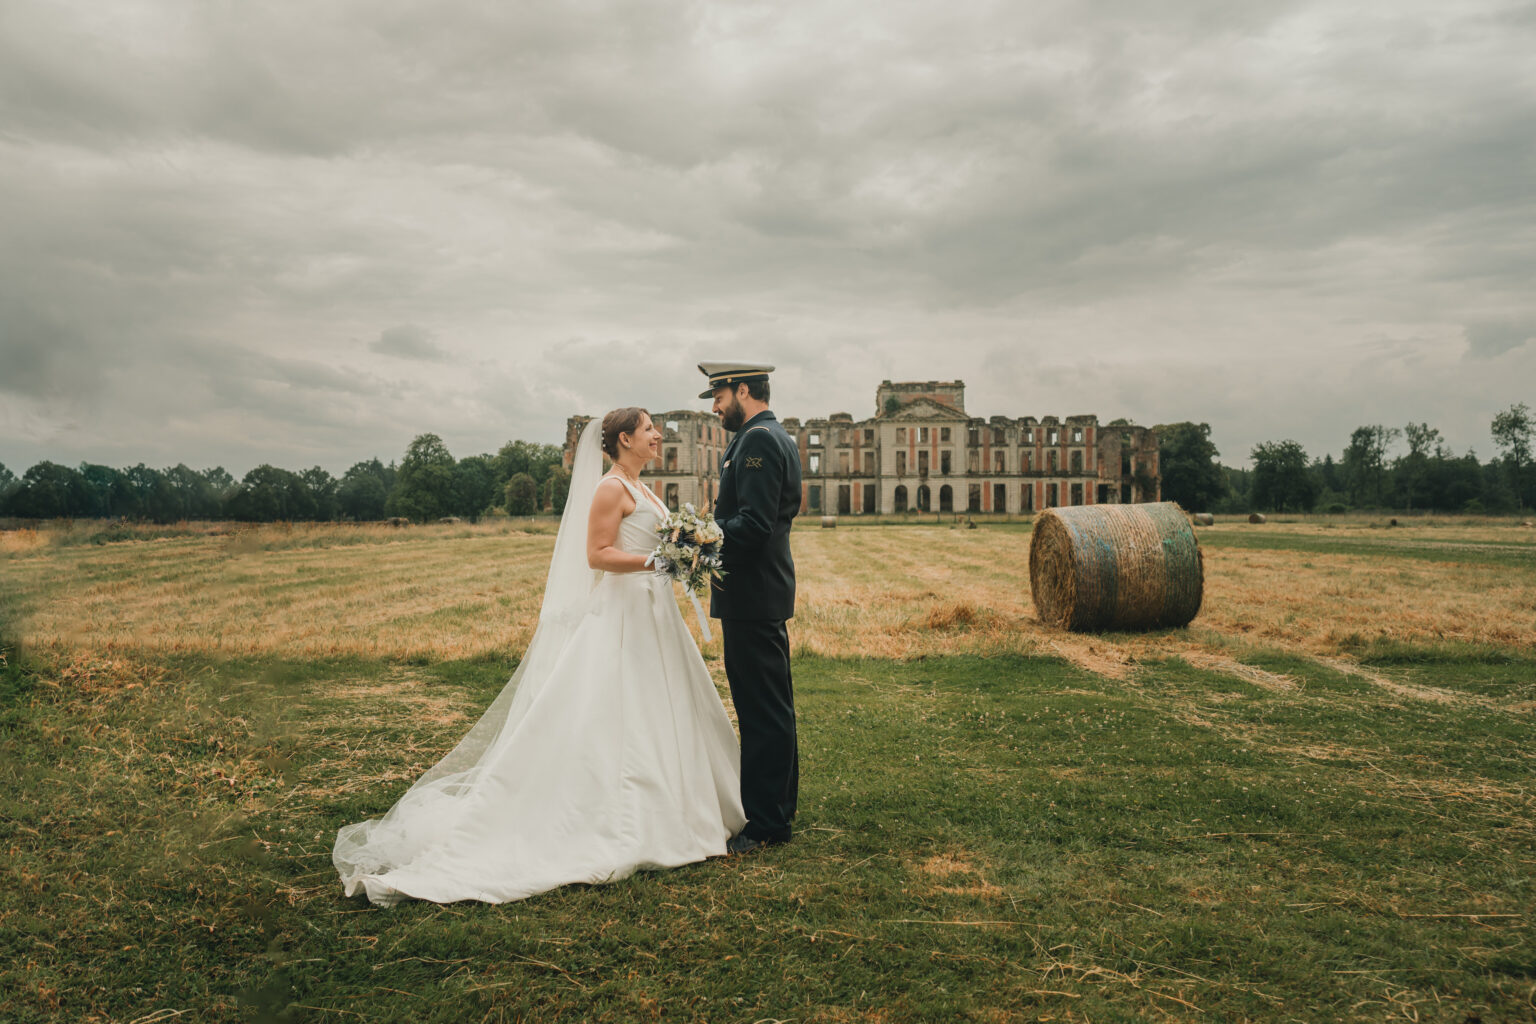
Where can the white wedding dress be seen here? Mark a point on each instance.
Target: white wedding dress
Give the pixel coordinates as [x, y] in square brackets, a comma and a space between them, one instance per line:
[608, 751]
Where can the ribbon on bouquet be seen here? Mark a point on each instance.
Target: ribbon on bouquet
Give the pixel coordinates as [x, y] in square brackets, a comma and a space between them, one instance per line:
[698, 610]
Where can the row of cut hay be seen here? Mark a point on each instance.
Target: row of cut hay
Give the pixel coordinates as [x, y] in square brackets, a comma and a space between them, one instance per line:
[1116, 567]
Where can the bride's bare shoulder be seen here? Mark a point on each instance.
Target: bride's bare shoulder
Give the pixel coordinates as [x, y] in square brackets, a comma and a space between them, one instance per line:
[611, 493]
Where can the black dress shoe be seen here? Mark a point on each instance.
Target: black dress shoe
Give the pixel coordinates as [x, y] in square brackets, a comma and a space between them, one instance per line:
[746, 844]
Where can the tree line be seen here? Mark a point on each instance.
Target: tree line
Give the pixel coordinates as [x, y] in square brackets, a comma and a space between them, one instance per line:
[1382, 467]
[1409, 468]
[522, 478]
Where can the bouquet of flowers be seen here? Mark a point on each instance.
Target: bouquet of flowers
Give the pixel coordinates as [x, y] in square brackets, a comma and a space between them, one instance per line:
[689, 551]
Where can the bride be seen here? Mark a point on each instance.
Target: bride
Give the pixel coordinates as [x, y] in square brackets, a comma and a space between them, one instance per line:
[606, 753]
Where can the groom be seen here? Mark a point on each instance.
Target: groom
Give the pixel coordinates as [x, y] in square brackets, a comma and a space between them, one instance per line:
[759, 497]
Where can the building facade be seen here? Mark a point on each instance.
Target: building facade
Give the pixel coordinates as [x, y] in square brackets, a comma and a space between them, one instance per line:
[922, 452]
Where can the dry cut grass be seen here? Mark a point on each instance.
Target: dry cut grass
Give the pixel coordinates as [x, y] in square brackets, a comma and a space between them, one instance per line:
[456, 592]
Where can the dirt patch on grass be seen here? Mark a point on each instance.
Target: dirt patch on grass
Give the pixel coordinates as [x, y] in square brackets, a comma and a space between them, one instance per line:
[963, 878]
[945, 864]
[956, 615]
[1228, 666]
[1100, 657]
[1412, 691]
[404, 696]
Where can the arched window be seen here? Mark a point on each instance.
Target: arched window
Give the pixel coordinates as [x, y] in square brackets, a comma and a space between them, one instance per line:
[900, 498]
[923, 498]
[946, 498]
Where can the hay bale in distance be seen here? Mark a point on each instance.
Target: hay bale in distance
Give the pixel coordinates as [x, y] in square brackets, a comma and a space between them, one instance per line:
[1256, 517]
[1116, 567]
[1204, 519]
[829, 522]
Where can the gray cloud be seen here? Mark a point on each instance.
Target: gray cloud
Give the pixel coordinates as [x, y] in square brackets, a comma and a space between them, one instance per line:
[1284, 219]
[1493, 338]
[408, 341]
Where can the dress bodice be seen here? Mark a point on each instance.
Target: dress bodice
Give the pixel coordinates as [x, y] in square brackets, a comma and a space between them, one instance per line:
[637, 533]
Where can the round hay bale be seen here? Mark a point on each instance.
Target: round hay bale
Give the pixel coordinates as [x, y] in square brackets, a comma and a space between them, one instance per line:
[829, 522]
[1256, 517]
[1116, 567]
[1204, 519]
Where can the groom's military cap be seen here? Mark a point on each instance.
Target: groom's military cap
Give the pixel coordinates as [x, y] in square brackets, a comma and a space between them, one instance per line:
[728, 375]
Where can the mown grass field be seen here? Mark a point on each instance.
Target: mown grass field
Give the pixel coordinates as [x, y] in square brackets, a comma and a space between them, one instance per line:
[1316, 803]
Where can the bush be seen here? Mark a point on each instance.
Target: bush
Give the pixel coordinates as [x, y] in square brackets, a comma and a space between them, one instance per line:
[522, 495]
[556, 489]
[1336, 507]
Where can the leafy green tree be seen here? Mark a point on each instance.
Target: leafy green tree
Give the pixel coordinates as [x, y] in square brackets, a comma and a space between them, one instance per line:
[526, 457]
[1281, 482]
[363, 490]
[1237, 482]
[1328, 496]
[1497, 496]
[195, 494]
[1513, 430]
[424, 487]
[1452, 482]
[1365, 463]
[268, 494]
[1328, 474]
[110, 493]
[322, 488]
[513, 458]
[219, 480]
[522, 495]
[474, 485]
[50, 491]
[154, 494]
[557, 488]
[8, 483]
[1187, 458]
[1424, 442]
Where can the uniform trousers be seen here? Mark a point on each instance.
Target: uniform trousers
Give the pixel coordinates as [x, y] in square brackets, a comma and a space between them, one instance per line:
[757, 668]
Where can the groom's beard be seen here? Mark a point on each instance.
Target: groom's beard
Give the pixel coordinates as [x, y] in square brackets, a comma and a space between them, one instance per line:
[733, 416]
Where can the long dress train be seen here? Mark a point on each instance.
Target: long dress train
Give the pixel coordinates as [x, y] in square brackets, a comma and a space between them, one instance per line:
[614, 755]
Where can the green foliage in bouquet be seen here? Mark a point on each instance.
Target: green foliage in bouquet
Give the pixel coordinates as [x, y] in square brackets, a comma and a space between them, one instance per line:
[689, 551]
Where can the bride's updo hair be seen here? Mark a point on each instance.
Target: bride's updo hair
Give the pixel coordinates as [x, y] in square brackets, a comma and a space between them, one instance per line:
[620, 421]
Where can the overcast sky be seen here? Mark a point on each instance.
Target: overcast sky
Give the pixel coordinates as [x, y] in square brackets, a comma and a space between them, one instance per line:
[234, 233]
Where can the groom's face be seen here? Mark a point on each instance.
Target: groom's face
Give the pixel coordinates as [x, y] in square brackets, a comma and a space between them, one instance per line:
[728, 408]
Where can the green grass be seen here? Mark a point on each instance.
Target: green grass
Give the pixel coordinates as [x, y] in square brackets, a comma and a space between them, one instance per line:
[1389, 545]
[979, 839]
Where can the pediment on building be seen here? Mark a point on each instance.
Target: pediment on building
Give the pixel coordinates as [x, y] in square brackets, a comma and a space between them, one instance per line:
[925, 409]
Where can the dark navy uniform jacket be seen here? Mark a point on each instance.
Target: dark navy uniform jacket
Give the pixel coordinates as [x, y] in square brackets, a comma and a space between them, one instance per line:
[758, 501]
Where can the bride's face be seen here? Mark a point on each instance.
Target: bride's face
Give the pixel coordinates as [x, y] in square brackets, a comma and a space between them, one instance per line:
[646, 441]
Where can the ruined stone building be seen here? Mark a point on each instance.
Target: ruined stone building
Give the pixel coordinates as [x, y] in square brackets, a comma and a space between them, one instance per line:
[922, 452]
